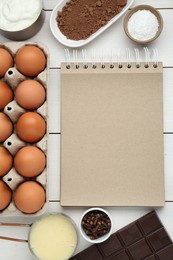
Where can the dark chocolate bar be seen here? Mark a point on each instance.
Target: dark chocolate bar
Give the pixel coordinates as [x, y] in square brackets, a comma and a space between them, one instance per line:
[143, 239]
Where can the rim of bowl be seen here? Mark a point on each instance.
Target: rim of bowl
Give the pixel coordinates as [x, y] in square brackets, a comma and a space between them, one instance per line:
[102, 238]
[143, 7]
[44, 216]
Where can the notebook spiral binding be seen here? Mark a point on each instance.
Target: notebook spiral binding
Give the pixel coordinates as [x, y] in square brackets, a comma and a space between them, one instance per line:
[151, 59]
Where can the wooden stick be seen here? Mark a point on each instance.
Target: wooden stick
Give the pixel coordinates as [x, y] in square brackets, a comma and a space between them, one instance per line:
[14, 224]
[14, 239]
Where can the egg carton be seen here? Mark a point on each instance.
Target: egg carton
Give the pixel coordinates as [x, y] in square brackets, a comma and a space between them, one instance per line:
[13, 77]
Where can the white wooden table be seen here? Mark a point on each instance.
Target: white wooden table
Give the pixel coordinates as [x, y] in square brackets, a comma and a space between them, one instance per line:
[114, 38]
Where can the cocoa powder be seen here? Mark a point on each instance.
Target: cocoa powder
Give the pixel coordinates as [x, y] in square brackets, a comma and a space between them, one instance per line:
[81, 18]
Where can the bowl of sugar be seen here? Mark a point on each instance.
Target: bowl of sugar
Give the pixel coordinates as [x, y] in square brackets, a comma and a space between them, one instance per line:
[143, 24]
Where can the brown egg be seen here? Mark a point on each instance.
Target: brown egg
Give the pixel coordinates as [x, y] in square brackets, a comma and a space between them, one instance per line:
[30, 94]
[6, 127]
[30, 60]
[29, 197]
[6, 61]
[30, 127]
[6, 161]
[6, 94]
[6, 195]
[29, 161]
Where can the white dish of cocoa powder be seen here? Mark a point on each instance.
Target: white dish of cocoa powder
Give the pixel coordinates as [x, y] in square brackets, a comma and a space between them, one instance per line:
[78, 43]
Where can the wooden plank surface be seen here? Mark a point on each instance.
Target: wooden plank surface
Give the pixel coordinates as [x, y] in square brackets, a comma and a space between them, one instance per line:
[121, 217]
[50, 4]
[114, 38]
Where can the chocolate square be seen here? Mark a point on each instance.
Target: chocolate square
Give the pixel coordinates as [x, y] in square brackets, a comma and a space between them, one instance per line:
[75, 258]
[91, 253]
[151, 258]
[110, 246]
[166, 254]
[159, 239]
[122, 256]
[130, 234]
[150, 223]
[140, 250]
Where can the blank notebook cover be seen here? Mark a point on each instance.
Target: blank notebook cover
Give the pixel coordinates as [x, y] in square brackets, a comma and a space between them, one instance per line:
[112, 136]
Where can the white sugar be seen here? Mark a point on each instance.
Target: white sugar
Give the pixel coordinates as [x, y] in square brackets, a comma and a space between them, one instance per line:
[143, 25]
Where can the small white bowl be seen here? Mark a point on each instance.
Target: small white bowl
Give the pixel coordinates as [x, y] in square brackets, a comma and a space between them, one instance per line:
[100, 239]
[71, 43]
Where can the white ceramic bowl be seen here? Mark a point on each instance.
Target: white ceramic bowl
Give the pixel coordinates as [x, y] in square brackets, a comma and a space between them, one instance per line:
[100, 239]
[71, 43]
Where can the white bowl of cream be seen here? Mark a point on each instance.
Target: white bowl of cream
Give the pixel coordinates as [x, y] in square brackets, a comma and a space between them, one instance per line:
[20, 19]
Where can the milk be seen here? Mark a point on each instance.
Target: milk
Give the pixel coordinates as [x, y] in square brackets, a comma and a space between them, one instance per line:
[53, 237]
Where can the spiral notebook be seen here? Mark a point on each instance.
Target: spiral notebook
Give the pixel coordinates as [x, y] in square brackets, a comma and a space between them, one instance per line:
[112, 135]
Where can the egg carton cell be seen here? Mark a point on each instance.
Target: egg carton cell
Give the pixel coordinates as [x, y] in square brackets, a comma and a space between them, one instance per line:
[14, 143]
[13, 180]
[14, 75]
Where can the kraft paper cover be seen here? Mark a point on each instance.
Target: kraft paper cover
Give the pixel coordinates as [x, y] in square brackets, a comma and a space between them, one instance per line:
[112, 136]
